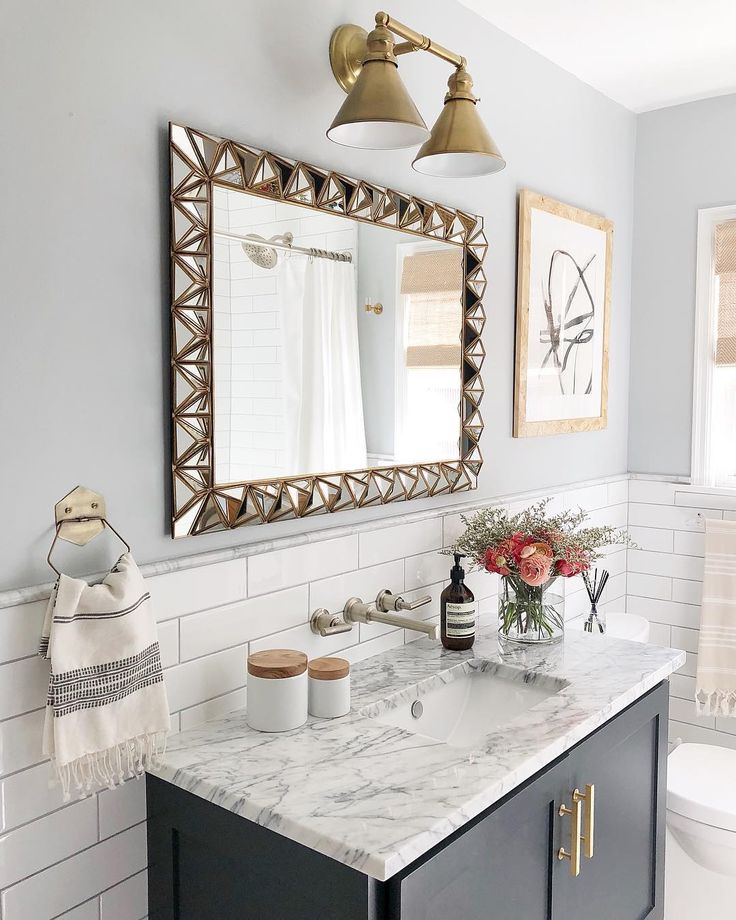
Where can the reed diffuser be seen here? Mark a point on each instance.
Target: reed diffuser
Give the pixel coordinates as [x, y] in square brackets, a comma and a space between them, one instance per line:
[596, 622]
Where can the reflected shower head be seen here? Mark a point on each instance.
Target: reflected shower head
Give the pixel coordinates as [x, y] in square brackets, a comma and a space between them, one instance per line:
[263, 255]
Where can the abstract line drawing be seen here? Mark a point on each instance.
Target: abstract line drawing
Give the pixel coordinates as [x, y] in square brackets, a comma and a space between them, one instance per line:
[561, 345]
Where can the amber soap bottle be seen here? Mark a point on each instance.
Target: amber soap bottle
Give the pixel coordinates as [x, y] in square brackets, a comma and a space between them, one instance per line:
[457, 611]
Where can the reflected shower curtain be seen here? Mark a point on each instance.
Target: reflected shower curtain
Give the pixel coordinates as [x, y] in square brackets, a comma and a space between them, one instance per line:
[322, 389]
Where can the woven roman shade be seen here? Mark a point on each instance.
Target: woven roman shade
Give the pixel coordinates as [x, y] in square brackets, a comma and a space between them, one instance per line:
[725, 269]
[432, 271]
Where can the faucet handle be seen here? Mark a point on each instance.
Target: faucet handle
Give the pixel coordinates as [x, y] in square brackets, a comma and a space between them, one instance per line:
[386, 601]
[323, 623]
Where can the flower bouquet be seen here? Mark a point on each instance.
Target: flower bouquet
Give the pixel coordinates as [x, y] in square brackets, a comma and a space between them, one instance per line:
[530, 550]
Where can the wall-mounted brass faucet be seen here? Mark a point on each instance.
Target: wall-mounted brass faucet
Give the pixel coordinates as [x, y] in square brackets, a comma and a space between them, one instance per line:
[383, 610]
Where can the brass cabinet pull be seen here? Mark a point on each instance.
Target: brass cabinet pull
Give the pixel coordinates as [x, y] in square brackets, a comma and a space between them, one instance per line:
[588, 797]
[576, 828]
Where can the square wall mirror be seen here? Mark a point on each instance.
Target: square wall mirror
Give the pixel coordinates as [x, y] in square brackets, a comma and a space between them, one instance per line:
[325, 340]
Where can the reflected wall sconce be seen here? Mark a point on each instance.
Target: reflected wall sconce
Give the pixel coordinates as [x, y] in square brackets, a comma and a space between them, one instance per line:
[371, 307]
[379, 114]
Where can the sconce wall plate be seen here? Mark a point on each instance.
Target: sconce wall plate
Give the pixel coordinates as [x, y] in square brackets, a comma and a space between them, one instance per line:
[348, 46]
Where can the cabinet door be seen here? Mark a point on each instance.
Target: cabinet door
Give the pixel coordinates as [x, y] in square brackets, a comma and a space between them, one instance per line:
[626, 762]
[500, 868]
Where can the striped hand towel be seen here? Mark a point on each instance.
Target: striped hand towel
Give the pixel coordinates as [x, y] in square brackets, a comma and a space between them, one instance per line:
[107, 715]
[715, 686]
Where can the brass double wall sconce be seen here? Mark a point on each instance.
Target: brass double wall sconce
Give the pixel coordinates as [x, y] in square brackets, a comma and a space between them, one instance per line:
[379, 114]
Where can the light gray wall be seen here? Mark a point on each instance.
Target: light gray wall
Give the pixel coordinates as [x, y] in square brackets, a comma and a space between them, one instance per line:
[89, 86]
[685, 160]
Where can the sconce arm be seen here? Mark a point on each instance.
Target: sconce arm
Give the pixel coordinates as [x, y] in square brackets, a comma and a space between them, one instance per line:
[415, 41]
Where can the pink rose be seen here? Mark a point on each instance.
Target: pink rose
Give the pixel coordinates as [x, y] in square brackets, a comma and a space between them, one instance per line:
[494, 561]
[573, 565]
[515, 544]
[537, 548]
[534, 569]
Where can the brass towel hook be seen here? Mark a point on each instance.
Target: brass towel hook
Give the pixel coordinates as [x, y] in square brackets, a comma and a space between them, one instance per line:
[80, 517]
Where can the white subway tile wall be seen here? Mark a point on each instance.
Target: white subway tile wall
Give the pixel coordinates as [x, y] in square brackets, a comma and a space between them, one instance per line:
[85, 860]
[665, 579]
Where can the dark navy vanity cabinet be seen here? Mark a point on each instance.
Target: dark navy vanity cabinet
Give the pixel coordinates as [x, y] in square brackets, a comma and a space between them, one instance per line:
[206, 863]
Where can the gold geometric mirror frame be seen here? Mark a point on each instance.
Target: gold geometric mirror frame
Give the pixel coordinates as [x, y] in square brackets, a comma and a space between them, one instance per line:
[200, 161]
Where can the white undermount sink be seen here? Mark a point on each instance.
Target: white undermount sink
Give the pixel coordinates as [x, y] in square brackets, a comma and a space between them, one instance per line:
[461, 706]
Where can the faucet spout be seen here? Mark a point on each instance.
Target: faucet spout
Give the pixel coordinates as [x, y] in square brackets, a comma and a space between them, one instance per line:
[356, 611]
[395, 619]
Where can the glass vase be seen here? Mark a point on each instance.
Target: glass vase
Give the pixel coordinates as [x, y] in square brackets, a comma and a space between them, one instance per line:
[530, 615]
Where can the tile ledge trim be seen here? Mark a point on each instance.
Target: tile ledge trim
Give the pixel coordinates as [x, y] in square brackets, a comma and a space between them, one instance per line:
[682, 483]
[661, 477]
[17, 596]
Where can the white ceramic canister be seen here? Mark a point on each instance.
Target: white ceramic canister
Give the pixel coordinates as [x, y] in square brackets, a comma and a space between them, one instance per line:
[277, 690]
[329, 687]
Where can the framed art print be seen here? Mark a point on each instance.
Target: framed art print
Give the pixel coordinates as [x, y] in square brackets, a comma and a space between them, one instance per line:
[562, 318]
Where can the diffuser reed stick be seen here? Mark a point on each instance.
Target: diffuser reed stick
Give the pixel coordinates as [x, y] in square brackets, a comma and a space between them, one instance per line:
[595, 591]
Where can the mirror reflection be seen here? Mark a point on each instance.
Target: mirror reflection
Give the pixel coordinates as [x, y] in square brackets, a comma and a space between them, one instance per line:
[337, 343]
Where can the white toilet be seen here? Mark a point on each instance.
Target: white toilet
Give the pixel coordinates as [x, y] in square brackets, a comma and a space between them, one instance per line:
[625, 626]
[700, 861]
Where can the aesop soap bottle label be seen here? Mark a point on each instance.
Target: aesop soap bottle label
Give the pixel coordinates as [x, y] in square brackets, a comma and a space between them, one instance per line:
[460, 619]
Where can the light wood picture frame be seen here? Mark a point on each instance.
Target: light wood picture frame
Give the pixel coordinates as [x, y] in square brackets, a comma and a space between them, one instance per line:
[563, 316]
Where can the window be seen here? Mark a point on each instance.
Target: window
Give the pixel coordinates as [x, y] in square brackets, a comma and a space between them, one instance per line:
[714, 391]
[429, 356]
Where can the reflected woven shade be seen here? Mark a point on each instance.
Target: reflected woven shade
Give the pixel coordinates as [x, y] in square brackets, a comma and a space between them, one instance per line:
[725, 269]
[432, 271]
[432, 281]
[433, 334]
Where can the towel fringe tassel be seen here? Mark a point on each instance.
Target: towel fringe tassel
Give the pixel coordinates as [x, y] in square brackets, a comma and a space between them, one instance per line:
[112, 766]
[716, 703]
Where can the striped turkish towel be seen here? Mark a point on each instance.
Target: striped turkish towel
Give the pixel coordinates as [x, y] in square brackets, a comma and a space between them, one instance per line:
[715, 685]
[107, 715]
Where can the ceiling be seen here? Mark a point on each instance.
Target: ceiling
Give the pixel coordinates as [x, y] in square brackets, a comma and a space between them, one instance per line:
[645, 54]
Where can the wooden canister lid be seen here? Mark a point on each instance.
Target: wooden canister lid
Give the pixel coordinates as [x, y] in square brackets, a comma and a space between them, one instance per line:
[275, 663]
[328, 668]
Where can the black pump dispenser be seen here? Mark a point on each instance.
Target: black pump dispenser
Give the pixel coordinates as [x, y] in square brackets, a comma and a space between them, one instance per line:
[457, 572]
[457, 610]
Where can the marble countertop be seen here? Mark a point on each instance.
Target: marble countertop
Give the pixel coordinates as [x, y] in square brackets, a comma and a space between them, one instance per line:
[376, 797]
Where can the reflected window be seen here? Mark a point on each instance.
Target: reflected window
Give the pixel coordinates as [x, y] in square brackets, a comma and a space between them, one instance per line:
[429, 321]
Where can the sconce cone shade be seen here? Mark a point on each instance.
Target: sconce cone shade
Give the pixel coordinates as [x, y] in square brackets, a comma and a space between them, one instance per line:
[459, 145]
[378, 113]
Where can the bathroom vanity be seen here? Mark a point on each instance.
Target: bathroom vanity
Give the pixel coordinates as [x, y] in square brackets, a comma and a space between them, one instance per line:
[529, 785]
